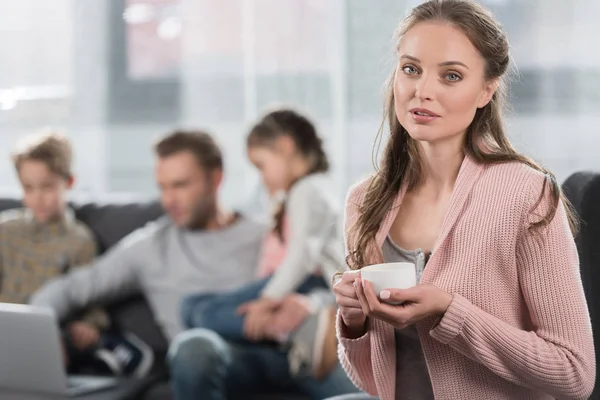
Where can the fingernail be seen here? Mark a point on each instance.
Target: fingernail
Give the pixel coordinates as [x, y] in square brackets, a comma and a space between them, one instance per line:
[384, 295]
[363, 282]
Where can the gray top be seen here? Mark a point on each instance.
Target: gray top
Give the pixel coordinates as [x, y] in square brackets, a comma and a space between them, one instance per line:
[165, 263]
[412, 377]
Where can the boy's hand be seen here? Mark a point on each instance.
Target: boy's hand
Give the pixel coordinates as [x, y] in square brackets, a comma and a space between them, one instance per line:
[83, 335]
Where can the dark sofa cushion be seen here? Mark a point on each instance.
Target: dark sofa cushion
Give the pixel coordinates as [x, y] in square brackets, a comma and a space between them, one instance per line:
[108, 222]
[134, 315]
[9, 204]
[112, 222]
[583, 190]
[161, 391]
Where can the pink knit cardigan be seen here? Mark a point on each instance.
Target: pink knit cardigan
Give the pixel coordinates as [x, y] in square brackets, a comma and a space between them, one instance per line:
[518, 326]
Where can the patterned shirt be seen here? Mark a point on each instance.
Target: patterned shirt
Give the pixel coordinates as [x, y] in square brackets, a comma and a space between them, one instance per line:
[31, 254]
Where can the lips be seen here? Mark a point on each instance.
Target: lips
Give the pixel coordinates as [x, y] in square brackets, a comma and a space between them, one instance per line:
[423, 116]
[423, 112]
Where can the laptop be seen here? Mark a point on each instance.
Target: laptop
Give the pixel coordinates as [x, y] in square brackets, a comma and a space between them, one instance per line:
[31, 355]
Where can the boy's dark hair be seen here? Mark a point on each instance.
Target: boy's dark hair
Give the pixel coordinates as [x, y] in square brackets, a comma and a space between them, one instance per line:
[199, 143]
[50, 147]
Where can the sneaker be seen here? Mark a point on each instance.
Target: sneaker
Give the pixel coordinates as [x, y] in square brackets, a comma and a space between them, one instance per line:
[314, 345]
[125, 355]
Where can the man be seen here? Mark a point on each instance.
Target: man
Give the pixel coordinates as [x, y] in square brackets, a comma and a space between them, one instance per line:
[197, 247]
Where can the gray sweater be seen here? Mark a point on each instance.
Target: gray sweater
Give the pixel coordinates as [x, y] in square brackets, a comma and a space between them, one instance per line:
[165, 263]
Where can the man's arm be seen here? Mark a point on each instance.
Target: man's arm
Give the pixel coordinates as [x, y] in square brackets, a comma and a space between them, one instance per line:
[109, 278]
[85, 254]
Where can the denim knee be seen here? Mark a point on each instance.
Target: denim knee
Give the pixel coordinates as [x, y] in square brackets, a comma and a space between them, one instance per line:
[196, 353]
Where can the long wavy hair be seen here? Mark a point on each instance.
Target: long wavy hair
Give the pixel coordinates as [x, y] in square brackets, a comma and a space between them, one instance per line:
[485, 140]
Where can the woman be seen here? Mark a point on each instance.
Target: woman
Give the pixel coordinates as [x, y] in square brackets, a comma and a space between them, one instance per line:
[500, 311]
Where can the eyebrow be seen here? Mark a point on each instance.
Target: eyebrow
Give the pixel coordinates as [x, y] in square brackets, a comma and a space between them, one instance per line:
[443, 64]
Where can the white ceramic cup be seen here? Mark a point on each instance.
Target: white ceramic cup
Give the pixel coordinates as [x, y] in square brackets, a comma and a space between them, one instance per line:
[399, 275]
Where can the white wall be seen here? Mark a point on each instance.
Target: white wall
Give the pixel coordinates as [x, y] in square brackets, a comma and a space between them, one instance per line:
[64, 42]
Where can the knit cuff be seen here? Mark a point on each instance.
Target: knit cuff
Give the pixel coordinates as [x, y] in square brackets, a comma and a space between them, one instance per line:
[353, 345]
[453, 320]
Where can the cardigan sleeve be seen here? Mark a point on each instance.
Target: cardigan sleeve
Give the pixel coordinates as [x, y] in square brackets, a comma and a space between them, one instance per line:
[355, 357]
[355, 354]
[557, 355]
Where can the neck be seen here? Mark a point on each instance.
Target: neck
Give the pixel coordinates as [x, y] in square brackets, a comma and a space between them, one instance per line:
[300, 168]
[221, 219]
[55, 219]
[441, 163]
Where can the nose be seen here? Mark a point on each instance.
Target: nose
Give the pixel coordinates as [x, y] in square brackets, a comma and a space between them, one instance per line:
[425, 89]
[36, 198]
[167, 198]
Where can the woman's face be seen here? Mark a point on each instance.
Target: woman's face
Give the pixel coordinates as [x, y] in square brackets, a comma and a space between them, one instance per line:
[439, 82]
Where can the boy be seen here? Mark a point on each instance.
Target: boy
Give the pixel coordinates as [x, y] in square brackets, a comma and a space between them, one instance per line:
[44, 240]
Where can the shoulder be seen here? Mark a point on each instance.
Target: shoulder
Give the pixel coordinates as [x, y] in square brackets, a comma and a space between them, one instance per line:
[515, 178]
[355, 199]
[514, 171]
[518, 187]
[148, 234]
[357, 192]
[253, 223]
[314, 184]
[81, 231]
[251, 226]
[314, 191]
[10, 219]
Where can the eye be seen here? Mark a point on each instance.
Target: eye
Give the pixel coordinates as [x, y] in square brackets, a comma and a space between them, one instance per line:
[453, 77]
[409, 70]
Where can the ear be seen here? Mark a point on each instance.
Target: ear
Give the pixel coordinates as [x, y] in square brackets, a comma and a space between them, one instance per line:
[70, 182]
[285, 145]
[216, 178]
[489, 89]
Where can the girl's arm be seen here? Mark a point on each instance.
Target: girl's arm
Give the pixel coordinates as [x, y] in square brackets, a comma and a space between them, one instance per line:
[311, 221]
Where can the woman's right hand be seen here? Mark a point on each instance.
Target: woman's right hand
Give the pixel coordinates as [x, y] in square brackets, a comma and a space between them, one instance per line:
[352, 314]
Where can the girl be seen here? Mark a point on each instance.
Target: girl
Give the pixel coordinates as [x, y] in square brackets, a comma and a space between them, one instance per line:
[500, 312]
[301, 252]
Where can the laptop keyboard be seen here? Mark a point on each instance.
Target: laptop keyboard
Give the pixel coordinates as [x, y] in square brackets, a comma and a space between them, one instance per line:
[73, 383]
[86, 384]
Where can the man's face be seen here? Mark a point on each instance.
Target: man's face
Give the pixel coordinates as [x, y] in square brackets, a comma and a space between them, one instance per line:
[188, 191]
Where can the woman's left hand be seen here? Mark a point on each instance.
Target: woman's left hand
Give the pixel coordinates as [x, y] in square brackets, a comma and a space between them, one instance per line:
[418, 302]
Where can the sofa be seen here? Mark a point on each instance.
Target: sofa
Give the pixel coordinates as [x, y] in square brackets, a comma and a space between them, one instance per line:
[583, 190]
[110, 222]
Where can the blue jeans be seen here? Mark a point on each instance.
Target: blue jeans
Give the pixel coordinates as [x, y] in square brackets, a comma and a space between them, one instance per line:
[218, 312]
[204, 365]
